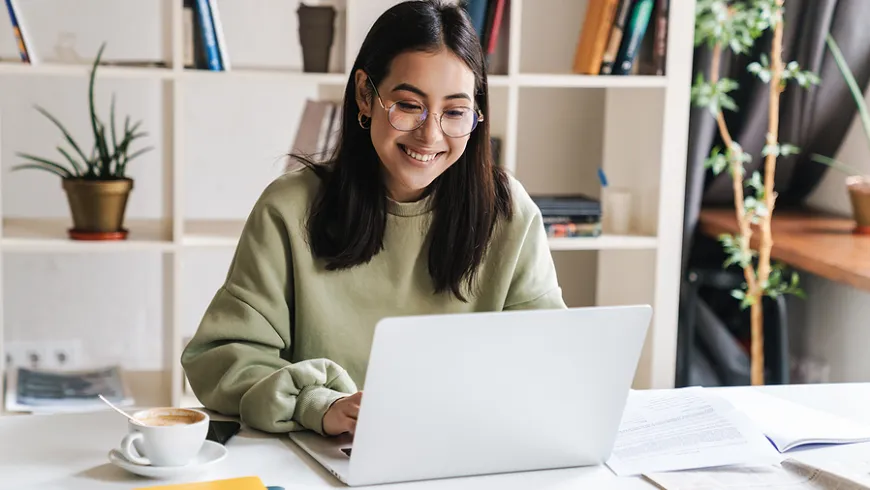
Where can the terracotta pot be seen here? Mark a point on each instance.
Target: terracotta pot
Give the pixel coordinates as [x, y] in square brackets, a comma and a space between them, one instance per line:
[859, 195]
[97, 207]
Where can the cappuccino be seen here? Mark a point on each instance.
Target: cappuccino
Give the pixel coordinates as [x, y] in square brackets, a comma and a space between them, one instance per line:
[168, 419]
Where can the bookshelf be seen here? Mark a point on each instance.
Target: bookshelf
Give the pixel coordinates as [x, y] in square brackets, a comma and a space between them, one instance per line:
[634, 127]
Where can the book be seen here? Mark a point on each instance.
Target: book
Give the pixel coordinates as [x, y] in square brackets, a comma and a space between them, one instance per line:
[635, 31]
[594, 34]
[218, 27]
[208, 36]
[22, 35]
[615, 39]
[789, 425]
[660, 42]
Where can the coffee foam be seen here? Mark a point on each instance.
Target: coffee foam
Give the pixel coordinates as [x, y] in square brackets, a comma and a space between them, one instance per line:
[169, 417]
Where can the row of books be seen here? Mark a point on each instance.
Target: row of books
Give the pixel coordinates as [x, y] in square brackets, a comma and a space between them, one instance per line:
[569, 215]
[204, 44]
[487, 17]
[614, 38]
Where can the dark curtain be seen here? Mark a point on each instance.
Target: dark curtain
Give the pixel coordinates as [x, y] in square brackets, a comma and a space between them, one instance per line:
[816, 119]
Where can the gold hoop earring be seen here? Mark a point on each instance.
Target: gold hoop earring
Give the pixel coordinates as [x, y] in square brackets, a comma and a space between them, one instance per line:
[365, 122]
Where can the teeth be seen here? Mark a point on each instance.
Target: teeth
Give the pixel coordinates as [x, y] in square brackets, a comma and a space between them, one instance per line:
[418, 156]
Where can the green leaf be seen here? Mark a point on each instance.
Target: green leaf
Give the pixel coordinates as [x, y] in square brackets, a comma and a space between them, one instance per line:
[770, 150]
[63, 130]
[854, 90]
[756, 184]
[735, 255]
[78, 169]
[60, 168]
[716, 161]
[788, 149]
[835, 164]
[39, 167]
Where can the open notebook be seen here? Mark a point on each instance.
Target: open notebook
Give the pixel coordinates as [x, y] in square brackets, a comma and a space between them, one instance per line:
[789, 425]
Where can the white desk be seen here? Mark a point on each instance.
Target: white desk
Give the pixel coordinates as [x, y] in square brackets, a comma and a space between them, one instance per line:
[70, 452]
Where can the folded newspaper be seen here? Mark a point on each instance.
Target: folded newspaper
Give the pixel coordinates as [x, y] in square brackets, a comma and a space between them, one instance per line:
[46, 391]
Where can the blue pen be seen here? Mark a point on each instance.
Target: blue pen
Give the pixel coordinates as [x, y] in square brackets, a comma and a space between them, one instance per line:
[601, 177]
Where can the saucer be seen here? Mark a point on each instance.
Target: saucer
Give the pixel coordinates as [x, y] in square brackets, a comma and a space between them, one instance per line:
[210, 454]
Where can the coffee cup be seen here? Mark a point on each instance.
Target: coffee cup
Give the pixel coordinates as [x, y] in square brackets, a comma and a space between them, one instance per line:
[165, 436]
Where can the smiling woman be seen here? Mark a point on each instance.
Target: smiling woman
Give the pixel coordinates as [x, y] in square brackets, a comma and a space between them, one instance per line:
[408, 216]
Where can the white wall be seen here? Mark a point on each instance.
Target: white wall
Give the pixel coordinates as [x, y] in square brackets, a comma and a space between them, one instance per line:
[237, 132]
[831, 326]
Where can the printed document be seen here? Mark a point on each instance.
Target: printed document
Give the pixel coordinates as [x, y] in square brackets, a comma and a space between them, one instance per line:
[668, 430]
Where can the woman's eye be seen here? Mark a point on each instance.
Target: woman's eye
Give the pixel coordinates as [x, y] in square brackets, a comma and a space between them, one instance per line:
[458, 113]
[409, 107]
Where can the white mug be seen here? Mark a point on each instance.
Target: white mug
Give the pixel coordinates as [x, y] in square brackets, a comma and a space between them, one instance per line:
[166, 436]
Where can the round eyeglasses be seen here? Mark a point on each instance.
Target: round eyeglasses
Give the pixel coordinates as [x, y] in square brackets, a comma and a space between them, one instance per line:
[409, 115]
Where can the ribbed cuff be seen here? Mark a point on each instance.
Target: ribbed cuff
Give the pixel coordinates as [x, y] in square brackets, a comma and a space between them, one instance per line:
[312, 404]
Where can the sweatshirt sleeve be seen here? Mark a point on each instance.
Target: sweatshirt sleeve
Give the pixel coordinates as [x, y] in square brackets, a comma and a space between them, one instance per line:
[534, 284]
[236, 362]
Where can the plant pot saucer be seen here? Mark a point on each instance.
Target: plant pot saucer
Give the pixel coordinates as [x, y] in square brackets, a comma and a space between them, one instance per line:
[97, 235]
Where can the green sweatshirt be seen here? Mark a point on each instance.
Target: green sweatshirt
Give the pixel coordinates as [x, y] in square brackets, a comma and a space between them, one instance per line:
[283, 338]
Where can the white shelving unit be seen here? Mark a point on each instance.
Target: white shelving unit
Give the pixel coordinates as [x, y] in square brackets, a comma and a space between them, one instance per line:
[639, 127]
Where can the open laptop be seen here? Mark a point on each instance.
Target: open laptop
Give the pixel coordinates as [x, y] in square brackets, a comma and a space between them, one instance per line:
[483, 393]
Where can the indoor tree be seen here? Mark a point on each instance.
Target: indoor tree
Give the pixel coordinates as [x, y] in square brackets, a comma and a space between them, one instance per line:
[736, 25]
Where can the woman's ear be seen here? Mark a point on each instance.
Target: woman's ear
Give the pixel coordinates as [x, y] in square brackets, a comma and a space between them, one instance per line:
[363, 92]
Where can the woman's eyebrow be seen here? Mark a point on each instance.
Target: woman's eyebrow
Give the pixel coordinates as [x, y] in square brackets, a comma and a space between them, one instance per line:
[410, 88]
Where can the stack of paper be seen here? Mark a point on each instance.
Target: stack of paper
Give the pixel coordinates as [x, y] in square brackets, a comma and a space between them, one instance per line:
[668, 430]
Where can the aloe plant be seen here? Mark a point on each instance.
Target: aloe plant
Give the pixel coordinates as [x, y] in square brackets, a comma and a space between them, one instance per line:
[109, 155]
[857, 94]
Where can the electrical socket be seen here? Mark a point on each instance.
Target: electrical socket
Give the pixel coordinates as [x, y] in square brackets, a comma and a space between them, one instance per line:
[57, 354]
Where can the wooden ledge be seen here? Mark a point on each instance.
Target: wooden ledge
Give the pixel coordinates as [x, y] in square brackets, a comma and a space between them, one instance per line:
[815, 242]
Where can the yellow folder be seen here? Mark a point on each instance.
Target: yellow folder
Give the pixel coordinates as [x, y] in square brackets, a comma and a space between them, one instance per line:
[243, 483]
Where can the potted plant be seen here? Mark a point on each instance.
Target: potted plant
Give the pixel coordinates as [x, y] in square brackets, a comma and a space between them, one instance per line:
[725, 25]
[96, 185]
[857, 184]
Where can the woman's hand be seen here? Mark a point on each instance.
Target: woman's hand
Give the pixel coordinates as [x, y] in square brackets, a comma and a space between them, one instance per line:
[341, 416]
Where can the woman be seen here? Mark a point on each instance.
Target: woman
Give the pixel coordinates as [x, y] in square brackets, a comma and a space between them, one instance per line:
[410, 217]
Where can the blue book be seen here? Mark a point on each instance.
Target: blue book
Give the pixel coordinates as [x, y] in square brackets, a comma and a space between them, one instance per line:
[209, 39]
[635, 29]
[23, 49]
[477, 11]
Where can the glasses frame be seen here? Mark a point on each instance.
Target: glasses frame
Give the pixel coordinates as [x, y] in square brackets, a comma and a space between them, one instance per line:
[428, 113]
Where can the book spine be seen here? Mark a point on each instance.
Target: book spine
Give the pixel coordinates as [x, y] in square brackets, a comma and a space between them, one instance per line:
[23, 50]
[477, 12]
[219, 35]
[615, 38]
[597, 25]
[209, 41]
[661, 36]
[635, 31]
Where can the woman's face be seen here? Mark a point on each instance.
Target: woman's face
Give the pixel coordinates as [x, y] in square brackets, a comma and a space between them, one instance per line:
[418, 82]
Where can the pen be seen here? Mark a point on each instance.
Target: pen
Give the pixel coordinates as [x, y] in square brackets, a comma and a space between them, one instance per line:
[601, 177]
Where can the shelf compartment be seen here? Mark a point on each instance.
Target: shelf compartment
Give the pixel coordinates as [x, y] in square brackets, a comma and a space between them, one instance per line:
[50, 235]
[269, 74]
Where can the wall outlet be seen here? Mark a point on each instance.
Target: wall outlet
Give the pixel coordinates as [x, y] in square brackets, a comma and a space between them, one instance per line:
[57, 354]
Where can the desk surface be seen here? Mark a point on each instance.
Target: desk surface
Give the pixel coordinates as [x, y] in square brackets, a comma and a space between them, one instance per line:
[820, 244]
[70, 452]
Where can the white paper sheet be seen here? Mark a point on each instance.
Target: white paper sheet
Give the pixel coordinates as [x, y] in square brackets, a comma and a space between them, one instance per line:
[787, 476]
[668, 430]
[789, 425]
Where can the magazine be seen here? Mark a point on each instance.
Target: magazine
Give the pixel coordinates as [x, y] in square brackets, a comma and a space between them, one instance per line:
[47, 391]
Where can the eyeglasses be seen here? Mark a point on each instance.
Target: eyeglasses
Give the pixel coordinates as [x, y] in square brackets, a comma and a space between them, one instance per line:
[409, 115]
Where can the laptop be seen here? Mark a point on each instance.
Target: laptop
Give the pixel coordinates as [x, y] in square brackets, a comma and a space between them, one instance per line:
[484, 393]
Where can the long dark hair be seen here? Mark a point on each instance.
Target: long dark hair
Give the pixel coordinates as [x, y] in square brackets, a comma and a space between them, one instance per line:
[347, 219]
